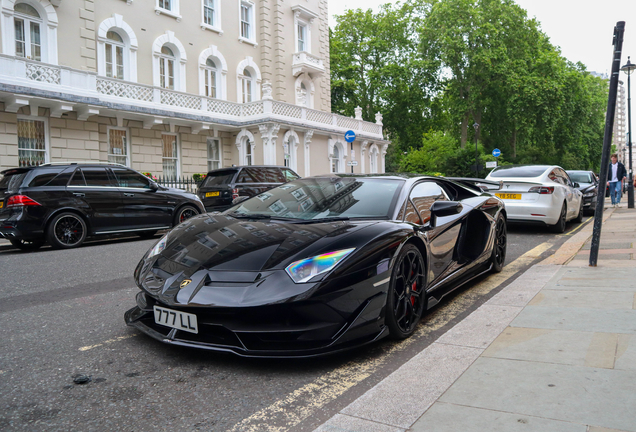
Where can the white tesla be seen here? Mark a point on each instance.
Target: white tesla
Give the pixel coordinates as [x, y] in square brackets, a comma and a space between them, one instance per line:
[542, 194]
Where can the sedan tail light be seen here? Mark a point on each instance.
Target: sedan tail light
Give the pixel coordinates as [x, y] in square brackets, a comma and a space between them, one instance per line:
[21, 201]
[542, 190]
[235, 193]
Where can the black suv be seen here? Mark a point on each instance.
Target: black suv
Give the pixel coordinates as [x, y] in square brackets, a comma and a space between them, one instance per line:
[222, 186]
[64, 203]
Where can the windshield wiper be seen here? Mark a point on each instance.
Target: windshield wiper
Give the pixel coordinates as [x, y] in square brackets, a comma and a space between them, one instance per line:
[260, 216]
[322, 220]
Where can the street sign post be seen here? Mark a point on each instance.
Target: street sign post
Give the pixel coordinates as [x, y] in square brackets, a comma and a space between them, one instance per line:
[352, 163]
[496, 152]
[350, 137]
[492, 164]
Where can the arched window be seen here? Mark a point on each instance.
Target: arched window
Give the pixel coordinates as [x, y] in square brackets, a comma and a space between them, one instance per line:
[166, 68]
[169, 62]
[290, 149]
[28, 32]
[246, 86]
[116, 49]
[210, 77]
[305, 90]
[337, 162]
[248, 152]
[373, 159]
[114, 55]
[248, 80]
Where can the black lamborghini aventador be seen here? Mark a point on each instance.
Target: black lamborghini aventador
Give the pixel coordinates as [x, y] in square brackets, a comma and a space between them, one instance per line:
[318, 265]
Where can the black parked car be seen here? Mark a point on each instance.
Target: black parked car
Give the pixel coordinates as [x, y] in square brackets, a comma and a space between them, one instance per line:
[222, 186]
[65, 203]
[588, 185]
[317, 265]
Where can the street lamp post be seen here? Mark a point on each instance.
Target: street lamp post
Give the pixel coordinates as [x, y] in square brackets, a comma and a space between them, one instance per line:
[476, 126]
[628, 69]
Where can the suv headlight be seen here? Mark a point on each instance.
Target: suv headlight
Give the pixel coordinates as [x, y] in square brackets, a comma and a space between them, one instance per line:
[303, 270]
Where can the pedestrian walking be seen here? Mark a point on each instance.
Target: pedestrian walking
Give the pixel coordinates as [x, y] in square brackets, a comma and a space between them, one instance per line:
[616, 174]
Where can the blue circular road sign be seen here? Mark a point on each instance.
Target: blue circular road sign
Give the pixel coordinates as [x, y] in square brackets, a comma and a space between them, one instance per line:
[350, 136]
[496, 152]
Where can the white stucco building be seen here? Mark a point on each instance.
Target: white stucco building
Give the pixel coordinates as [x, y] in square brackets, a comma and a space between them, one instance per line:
[174, 87]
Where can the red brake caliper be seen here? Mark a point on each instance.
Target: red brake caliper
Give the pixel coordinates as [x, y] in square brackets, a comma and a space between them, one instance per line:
[413, 289]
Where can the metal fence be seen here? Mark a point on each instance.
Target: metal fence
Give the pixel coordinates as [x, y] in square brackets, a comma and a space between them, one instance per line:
[185, 183]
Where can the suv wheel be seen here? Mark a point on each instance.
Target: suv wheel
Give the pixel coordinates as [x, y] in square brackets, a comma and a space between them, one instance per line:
[66, 230]
[185, 213]
[27, 245]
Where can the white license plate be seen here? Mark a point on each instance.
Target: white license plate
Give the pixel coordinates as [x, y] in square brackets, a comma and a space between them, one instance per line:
[176, 319]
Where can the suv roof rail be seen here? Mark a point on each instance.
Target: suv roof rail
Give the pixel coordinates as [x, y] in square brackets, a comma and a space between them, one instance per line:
[83, 163]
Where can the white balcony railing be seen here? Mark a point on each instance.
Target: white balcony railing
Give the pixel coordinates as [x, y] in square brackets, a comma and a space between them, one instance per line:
[42, 76]
[305, 62]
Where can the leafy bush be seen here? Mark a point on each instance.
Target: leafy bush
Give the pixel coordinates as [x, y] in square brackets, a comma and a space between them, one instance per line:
[197, 177]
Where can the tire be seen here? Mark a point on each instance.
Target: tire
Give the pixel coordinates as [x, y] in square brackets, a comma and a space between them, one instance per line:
[66, 231]
[27, 245]
[406, 298]
[498, 257]
[579, 218]
[147, 234]
[559, 227]
[184, 213]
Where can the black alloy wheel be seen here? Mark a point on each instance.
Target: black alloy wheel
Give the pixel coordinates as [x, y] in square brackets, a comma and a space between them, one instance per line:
[66, 230]
[406, 299]
[559, 227]
[499, 248]
[147, 234]
[579, 217]
[185, 213]
[27, 245]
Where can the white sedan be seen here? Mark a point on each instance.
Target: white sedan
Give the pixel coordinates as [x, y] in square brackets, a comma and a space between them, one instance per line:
[542, 194]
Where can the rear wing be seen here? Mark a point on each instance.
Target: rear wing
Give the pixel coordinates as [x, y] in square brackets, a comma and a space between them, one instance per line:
[478, 184]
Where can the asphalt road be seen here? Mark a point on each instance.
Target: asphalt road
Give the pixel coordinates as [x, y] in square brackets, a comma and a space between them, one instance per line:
[61, 314]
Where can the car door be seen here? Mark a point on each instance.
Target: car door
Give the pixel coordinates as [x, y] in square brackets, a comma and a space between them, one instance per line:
[441, 238]
[571, 195]
[93, 191]
[144, 206]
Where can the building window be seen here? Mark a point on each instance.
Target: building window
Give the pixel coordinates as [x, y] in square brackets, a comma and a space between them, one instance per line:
[165, 4]
[373, 159]
[247, 21]
[336, 160]
[28, 40]
[166, 68]
[170, 157]
[210, 78]
[246, 86]
[209, 12]
[118, 146]
[114, 48]
[302, 36]
[214, 154]
[32, 142]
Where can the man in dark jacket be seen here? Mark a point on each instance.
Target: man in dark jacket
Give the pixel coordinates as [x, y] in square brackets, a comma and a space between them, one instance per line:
[615, 177]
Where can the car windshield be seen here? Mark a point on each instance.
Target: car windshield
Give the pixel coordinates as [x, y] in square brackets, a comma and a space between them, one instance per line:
[321, 198]
[519, 171]
[580, 177]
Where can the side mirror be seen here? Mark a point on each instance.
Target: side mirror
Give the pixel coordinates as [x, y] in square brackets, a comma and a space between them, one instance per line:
[154, 186]
[576, 185]
[444, 208]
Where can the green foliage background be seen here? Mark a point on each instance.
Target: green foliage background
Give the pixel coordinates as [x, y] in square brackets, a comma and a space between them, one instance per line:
[434, 68]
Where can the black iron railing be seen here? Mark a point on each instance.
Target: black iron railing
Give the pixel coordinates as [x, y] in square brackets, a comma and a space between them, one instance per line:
[185, 183]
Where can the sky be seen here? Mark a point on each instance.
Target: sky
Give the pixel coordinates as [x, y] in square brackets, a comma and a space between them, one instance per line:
[583, 29]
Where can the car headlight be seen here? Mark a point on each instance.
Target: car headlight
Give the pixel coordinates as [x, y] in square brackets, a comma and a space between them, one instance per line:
[589, 194]
[305, 269]
[159, 247]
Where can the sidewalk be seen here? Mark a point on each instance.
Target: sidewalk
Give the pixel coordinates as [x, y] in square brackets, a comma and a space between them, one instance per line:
[554, 351]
